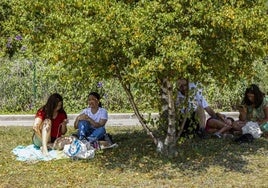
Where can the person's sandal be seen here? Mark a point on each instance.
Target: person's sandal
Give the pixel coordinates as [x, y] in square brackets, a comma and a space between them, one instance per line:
[217, 135]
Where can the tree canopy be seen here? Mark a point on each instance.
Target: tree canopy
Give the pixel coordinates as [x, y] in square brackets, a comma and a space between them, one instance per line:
[145, 44]
[216, 38]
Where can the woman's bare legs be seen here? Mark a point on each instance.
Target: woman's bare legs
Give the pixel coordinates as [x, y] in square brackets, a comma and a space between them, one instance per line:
[46, 130]
[219, 125]
[237, 125]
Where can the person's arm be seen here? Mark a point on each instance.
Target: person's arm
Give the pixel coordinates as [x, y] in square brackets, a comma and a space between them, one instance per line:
[219, 116]
[242, 112]
[202, 102]
[36, 127]
[78, 118]
[211, 112]
[64, 126]
[95, 124]
[265, 109]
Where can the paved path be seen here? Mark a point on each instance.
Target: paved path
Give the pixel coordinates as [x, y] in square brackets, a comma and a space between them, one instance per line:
[120, 119]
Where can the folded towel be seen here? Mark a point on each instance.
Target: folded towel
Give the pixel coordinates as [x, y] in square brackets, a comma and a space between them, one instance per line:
[32, 153]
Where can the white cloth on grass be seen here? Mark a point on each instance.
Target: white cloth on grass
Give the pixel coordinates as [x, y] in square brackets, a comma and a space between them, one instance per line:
[32, 153]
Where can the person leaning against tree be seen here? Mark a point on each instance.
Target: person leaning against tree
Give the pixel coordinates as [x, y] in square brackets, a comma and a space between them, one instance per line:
[254, 107]
[50, 123]
[196, 104]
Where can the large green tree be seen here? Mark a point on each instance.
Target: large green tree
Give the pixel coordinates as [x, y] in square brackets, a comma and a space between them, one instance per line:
[145, 44]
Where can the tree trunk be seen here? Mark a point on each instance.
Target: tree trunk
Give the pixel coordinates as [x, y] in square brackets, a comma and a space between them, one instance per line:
[126, 87]
[168, 120]
[168, 146]
[170, 151]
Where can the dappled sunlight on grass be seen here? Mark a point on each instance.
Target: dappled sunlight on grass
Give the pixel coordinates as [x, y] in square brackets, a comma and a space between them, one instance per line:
[135, 163]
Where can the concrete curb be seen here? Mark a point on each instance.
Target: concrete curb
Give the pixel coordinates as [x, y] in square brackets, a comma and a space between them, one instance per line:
[115, 119]
[70, 116]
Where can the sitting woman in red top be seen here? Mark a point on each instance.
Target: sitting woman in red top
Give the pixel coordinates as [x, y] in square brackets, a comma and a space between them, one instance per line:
[50, 123]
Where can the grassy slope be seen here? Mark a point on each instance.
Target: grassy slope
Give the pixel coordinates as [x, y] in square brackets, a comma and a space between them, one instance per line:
[201, 163]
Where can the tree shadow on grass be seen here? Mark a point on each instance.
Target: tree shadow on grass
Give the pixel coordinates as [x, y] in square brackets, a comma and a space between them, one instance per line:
[136, 151]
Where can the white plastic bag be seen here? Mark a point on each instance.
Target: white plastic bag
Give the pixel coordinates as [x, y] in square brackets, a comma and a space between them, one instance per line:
[252, 128]
[79, 150]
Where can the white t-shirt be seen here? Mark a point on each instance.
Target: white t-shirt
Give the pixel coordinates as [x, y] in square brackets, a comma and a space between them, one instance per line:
[100, 114]
[196, 99]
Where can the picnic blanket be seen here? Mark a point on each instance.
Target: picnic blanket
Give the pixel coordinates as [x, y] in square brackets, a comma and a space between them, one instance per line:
[31, 153]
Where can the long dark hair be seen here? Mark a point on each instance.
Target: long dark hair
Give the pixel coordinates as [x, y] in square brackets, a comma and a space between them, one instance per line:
[51, 104]
[258, 96]
[97, 96]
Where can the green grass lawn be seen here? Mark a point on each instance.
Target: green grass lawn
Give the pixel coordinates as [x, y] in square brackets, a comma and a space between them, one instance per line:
[201, 163]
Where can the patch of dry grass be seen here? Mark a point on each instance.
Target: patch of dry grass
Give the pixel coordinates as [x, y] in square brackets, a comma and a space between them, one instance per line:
[201, 163]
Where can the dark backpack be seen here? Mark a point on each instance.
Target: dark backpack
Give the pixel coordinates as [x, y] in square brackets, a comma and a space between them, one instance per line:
[245, 138]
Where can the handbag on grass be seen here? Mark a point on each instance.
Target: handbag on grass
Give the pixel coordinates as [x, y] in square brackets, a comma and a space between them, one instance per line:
[252, 128]
[79, 150]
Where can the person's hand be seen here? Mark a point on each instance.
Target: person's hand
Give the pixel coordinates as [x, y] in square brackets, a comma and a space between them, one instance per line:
[82, 117]
[78, 118]
[221, 116]
[228, 122]
[242, 109]
[65, 122]
[35, 128]
[234, 124]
